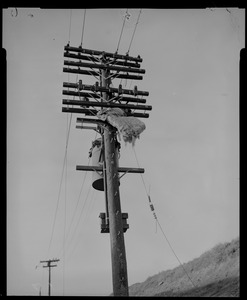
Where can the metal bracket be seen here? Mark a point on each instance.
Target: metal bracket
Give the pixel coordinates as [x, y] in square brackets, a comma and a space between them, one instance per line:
[105, 225]
[119, 177]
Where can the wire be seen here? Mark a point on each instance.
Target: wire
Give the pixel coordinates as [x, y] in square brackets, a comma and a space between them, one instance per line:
[78, 221]
[75, 210]
[88, 213]
[65, 208]
[70, 17]
[82, 33]
[125, 17]
[174, 253]
[134, 30]
[157, 222]
[60, 185]
[140, 173]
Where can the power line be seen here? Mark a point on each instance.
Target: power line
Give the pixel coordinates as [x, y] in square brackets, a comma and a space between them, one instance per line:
[83, 223]
[60, 185]
[134, 30]
[138, 18]
[78, 221]
[65, 208]
[64, 160]
[140, 173]
[157, 222]
[174, 253]
[70, 17]
[75, 210]
[83, 25]
[125, 17]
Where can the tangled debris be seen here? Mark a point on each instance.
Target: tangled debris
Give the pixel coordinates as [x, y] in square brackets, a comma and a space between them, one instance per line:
[129, 128]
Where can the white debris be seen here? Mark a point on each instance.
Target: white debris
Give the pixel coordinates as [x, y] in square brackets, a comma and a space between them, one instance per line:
[129, 128]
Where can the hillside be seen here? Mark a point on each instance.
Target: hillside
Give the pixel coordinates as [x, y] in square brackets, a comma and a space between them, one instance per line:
[215, 274]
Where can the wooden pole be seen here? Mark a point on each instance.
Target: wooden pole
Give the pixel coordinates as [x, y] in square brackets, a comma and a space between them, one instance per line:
[49, 280]
[118, 255]
[105, 189]
[49, 265]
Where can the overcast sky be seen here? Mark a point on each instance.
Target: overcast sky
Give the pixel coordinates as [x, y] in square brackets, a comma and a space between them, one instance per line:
[190, 148]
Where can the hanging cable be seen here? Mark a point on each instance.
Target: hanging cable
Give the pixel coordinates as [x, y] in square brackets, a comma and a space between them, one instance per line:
[134, 30]
[83, 25]
[175, 253]
[157, 222]
[126, 16]
[140, 173]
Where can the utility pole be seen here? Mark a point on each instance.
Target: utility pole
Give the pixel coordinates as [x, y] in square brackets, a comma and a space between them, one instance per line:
[118, 255]
[49, 265]
[105, 67]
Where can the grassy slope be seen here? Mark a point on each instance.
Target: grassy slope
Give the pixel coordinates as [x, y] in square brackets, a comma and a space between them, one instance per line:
[214, 273]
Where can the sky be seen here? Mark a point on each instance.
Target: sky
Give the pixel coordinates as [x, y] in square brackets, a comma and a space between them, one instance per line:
[189, 150]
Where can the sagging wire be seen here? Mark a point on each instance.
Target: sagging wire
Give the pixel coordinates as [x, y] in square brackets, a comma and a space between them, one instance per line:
[65, 208]
[133, 34]
[144, 184]
[76, 208]
[127, 15]
[64, 167]
[158, 223]
[138, 18]
[70, 17]
[60, 185]
[71, 254]
[83, 25]
[79, 219]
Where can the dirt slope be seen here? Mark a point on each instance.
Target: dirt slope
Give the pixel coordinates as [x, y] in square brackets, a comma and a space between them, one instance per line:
[215, 273]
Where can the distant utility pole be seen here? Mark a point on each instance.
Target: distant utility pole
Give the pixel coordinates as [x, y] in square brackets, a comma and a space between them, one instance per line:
[49, 265]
